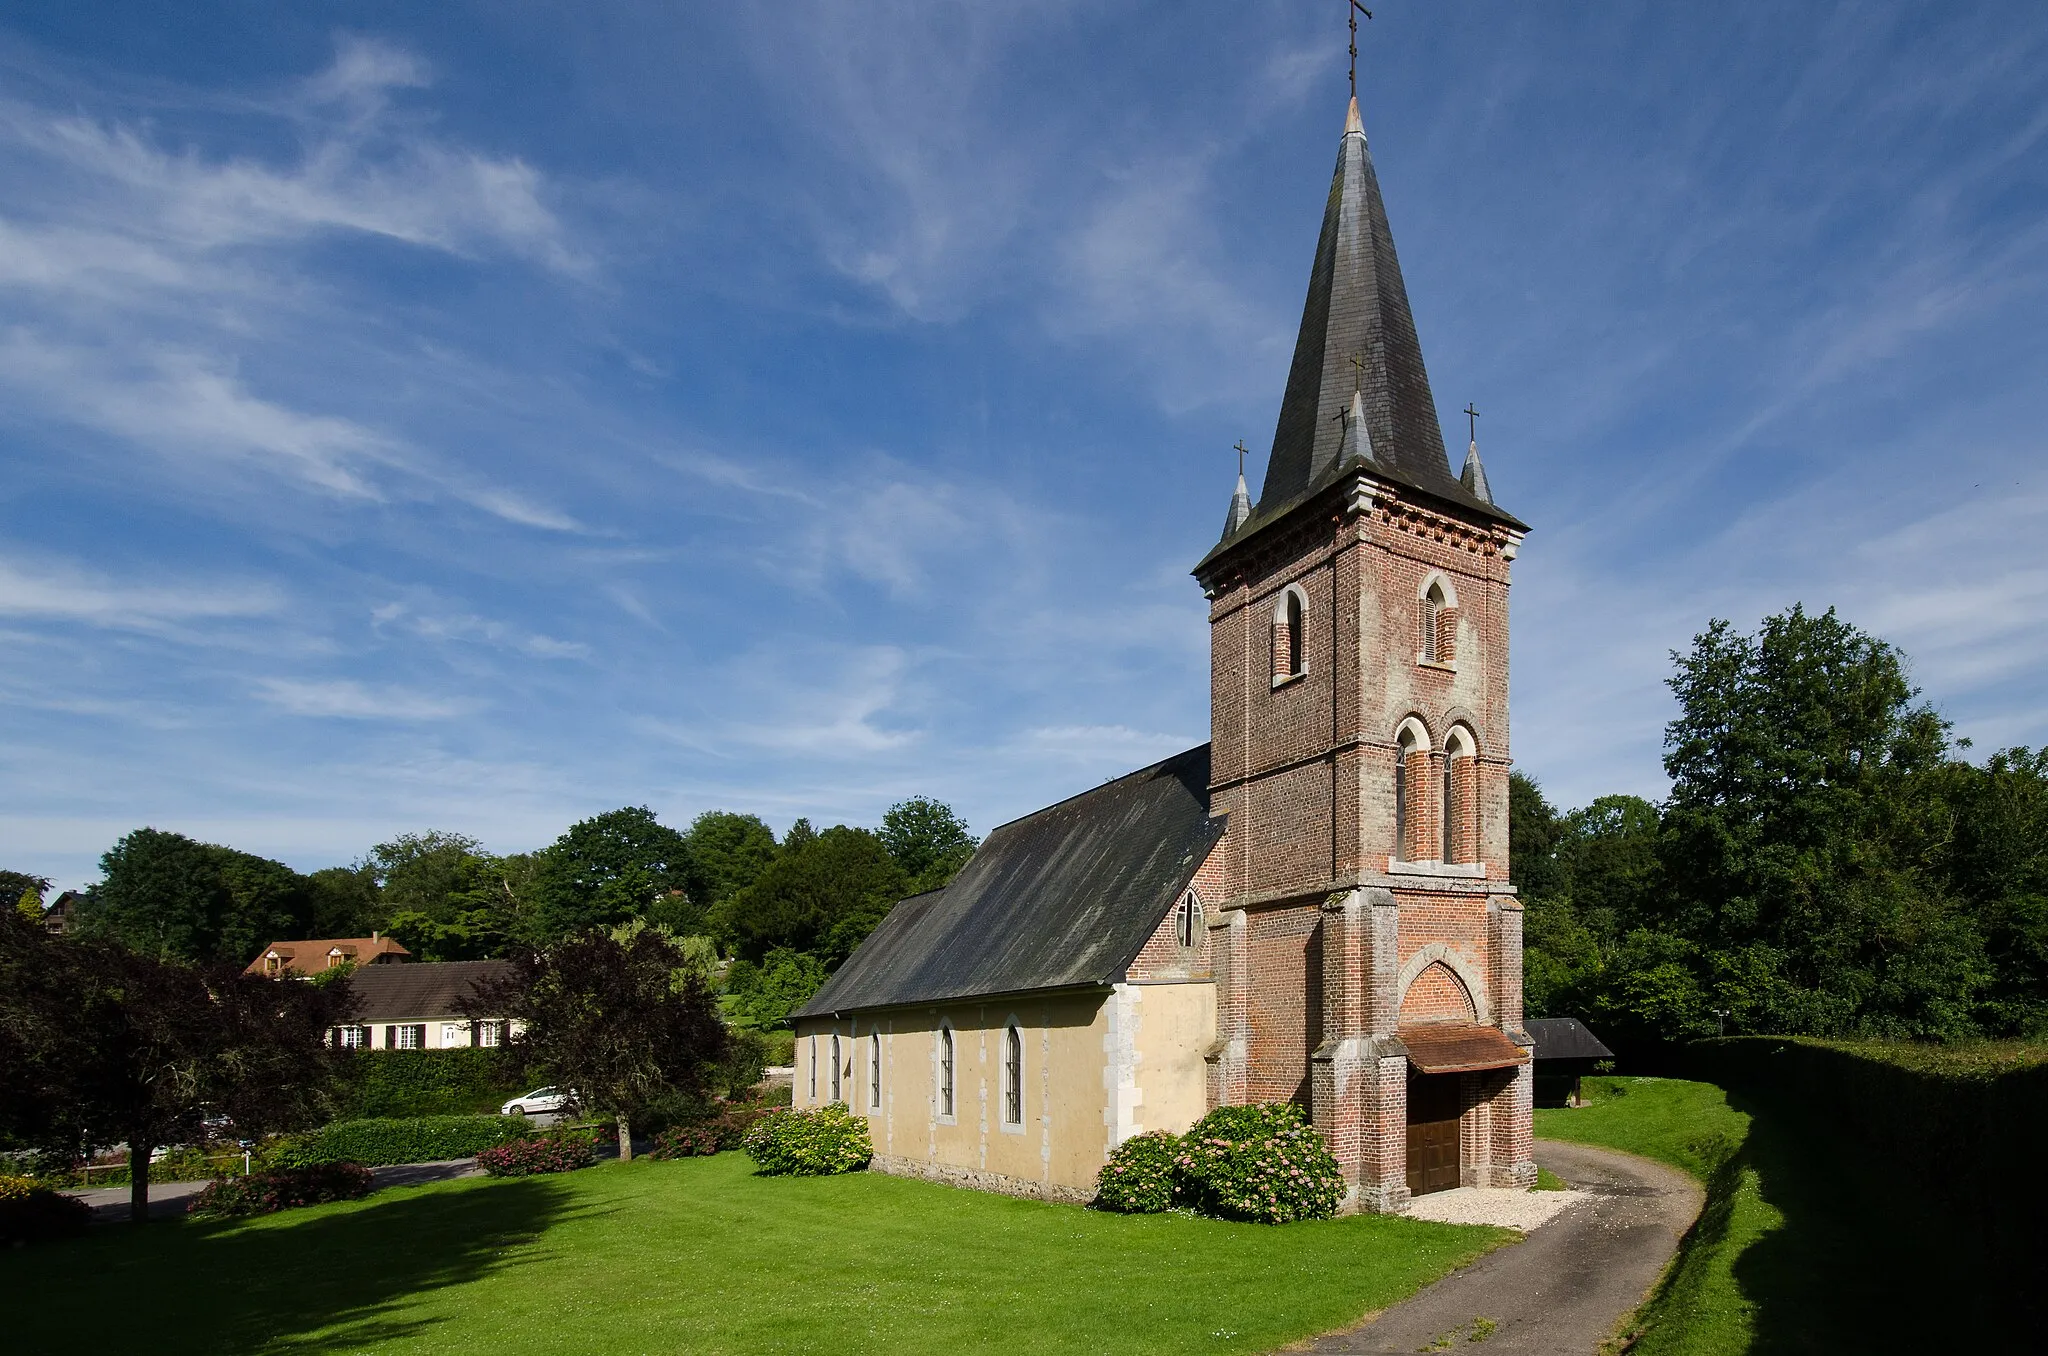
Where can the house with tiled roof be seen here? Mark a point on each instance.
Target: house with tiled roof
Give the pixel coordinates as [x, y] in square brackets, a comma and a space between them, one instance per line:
[423, 1006]
[303, 960]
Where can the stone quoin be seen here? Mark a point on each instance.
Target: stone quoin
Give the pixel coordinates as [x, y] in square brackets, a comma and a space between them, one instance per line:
[1314, 906]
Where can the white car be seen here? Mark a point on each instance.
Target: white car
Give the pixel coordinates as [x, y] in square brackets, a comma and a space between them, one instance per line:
[541, 1101]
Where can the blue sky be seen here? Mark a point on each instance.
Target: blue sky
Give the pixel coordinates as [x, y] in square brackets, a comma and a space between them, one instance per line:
[479, 416]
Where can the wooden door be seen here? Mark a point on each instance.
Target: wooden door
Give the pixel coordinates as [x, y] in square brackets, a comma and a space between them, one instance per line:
[1433, 1141]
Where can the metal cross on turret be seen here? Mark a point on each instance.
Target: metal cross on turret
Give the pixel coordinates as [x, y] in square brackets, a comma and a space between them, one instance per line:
[1356, 10]
[1242, 452]
[1472, 421]
[1358, 372]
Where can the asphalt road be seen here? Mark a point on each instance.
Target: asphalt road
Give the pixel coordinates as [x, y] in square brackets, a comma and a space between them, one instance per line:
[1564, 1289]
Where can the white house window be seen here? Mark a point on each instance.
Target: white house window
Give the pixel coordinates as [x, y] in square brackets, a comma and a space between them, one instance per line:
[835, 1068]
[874, 1071]
[349, 1037]
[490, 1033]
[1013, 1075]
[406, 1037]
[945, 1071]
[1187, 920]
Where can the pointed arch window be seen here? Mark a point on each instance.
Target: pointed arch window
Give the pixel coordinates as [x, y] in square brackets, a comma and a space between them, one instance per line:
[835, 1069]
[1415, 817]
[945, 1071]
[874, 1071]
[814, 1066]
[1438, 614]
[1013, 1075]
[1187, 920]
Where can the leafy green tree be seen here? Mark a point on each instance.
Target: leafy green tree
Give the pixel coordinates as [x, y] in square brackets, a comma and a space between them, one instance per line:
[1997, 859]
[728, 852]
[25, 892]
[928, 840]
[607, 869]
[165, 895]
[443, 896]
[624, 1023]
[762, 996]
[1609, 857]
[824, 894]
[1534, 832]
[343, 901]
[1800, 814]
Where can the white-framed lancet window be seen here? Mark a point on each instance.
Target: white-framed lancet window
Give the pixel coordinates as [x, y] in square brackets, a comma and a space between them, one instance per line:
[946, 1070]
[1187, 920]
[835, 1068]
[874, 1071]
[814, 1066]
[1013, 1074]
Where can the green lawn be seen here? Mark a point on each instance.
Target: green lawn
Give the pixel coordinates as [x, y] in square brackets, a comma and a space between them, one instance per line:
[1792, 1253]
[701, 1256]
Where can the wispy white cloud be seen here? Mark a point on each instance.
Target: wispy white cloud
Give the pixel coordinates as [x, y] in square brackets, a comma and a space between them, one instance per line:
[347, 699]
[459, 626]
[62, 592]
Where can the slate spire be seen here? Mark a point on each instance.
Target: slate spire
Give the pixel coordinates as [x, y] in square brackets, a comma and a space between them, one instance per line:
[1240, 507]
[1357, 336]
[1473, 477]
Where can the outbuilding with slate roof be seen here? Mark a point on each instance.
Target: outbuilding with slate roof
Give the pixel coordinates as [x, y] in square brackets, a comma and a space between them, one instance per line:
[1315, 905]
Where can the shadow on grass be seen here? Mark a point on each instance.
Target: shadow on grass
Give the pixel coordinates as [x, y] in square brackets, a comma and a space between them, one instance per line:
[1868, 1259]
[332, 1280]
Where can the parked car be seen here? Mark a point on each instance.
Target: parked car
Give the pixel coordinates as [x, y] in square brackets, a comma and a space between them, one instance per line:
[540, 1102]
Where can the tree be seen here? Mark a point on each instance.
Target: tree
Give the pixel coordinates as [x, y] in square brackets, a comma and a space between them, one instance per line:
[165, 895]
[607, 869]
[1802, 811]
[106, 1046]
[623, 1023]
[763, 996]
[824, 894]
[343, 901]
[442, 896]
[25, 892]
[728, 852]
[929, 842]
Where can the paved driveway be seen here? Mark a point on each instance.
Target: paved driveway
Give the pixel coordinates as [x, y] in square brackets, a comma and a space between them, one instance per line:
[167, 1200]
[1564, 1288]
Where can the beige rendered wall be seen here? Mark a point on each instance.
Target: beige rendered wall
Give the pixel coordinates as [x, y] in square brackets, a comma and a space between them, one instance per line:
[1098, 1067]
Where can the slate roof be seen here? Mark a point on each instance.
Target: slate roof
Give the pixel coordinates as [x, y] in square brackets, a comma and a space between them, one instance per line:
[1063, 898]
[1564, 1038]
[1357, 304]
[424, 990]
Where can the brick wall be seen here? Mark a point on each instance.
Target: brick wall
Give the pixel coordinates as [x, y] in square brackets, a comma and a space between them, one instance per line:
[1285, 988]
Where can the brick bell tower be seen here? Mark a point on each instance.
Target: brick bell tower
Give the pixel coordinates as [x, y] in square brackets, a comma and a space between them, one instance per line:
[1368, 948]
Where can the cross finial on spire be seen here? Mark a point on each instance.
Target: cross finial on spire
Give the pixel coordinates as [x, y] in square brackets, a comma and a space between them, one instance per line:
[1242, 451]
[1357, 373]
[1356, 10]
[1472, 420]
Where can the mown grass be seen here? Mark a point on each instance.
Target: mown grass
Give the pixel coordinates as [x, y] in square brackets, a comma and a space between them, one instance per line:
[701, 1256]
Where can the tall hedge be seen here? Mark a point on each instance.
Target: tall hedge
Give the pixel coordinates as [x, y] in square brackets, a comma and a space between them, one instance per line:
[460, 1082]
[417, 1139]
[1957, 1126]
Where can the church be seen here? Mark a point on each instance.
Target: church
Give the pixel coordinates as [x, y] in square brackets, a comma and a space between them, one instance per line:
[1315, 905]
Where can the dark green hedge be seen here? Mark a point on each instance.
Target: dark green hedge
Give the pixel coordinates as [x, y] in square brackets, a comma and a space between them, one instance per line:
[1955, 1126]
[417, 1139]
[461, 1082]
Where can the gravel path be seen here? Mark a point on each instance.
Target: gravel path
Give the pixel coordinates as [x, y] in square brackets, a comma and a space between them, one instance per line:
[1564, 1289]
[1512, 1208]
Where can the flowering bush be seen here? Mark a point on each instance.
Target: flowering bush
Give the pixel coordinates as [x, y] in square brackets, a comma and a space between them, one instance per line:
[1261, 1163]
[527, 1157]
[32, 1213]
[1139, 1177]
[283, 1189]
[727, 1130]
[809, 1143]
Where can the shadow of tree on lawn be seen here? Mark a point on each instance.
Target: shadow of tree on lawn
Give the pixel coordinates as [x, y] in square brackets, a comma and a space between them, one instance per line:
[330, 1282]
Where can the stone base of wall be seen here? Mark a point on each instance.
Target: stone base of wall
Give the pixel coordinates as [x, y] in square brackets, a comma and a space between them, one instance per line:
[949, 1175]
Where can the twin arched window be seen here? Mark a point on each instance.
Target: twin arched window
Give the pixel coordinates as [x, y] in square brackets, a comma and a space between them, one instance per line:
[1445, 826]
